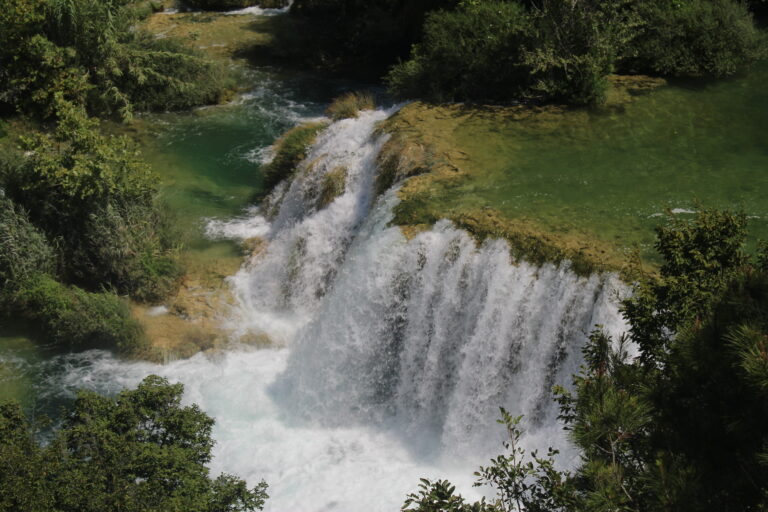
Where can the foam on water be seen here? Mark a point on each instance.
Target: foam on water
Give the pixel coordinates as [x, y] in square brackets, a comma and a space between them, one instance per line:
[308, 467]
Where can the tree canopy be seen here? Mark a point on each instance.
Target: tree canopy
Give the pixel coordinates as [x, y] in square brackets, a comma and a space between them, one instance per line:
[138, 451]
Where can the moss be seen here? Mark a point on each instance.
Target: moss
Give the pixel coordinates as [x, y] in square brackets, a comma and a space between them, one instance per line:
[290, 150]
[349, 105]
[333, 185]
[429, 153]
[398, 159]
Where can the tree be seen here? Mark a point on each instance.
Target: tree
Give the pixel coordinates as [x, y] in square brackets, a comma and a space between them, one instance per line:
[139, 451]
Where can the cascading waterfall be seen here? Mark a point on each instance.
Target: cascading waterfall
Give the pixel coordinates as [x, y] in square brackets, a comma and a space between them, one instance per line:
[432, 336]
[281, 290]
[428, 336]
[391, 356]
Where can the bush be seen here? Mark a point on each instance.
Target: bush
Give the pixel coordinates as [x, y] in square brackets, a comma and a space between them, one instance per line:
[139, 451]
[124, 246]
[473, 53]
[560, 50]
[502, 51]
[89, 52]
[695, 38]
[290, 150]
[24, 251]
[95, 197]
[72, 317]
[349, 105]
[162, 75]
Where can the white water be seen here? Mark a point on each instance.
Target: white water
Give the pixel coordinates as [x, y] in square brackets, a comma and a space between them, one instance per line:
[393, 355]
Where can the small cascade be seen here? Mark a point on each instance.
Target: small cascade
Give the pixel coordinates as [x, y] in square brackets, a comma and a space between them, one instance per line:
[279, 291]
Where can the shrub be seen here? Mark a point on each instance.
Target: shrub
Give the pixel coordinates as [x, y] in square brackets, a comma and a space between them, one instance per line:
[473, 53]
[123, 245]
[89, 52]
[73, 317]
[290, 150]
[95, 196]
[24, 251]
[139, 451]
[161, 75]
[695, 38]
[560, 50]
[349, 105]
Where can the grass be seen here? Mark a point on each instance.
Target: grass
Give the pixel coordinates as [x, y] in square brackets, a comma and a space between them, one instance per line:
[334, 184]
[349, 105]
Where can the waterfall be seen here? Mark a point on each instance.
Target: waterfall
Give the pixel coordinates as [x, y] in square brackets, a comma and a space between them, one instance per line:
[390, 357]
[280, 291]
[428, 336]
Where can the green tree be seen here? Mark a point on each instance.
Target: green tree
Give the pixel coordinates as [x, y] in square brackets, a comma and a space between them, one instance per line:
[139, 451]
[95, 196]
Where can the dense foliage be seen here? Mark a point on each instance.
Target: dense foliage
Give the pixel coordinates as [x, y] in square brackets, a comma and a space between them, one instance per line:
[683, 426]
[546, 50]
[558, 50]
[139, 451]
[94, 196]
[76, 319]
[694, 38]
[90, 53]
[82, 217]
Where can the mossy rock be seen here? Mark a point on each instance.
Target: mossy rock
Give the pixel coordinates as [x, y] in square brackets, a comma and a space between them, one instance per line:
[333, 185]
[349, 105]
[290, 150]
